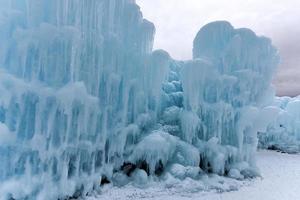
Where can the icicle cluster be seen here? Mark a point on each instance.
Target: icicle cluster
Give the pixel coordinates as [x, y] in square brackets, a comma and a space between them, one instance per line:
[226, 88]
[82, 96]
[78, 85]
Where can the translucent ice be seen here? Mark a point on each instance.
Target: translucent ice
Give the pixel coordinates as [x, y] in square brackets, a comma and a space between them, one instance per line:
[79, 86]
[225, 89]
[83, 97]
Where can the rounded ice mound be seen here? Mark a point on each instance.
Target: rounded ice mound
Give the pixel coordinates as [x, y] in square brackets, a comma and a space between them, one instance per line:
[120, 179]
[234, 173]
[182, 172]
[212, 39]
[140, 177]
[155, 149]
[233, 49]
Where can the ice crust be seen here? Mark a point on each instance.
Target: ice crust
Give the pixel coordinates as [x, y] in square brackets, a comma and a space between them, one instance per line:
[82, 95]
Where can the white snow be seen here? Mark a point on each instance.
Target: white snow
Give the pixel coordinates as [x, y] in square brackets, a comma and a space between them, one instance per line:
[280, 181]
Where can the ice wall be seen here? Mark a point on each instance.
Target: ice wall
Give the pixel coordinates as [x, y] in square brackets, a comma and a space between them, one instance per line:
[78, 85]
[283, 132]
[226, 88]
[82, 96]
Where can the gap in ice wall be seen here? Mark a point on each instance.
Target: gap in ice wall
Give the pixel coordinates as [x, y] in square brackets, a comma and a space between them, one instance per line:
[82, 93]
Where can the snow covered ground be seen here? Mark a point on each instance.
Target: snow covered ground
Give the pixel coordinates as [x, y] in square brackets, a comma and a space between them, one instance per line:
[280, 181]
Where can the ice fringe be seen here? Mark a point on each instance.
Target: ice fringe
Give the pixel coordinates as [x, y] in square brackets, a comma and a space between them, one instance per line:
[83, 95]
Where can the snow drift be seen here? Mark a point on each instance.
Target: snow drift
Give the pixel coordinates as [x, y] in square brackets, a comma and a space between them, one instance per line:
[83, 97]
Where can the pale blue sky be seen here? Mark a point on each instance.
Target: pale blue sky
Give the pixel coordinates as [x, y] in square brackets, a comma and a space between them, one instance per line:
[178, 21]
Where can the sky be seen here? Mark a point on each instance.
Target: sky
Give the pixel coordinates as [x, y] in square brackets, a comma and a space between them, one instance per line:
[178, 21]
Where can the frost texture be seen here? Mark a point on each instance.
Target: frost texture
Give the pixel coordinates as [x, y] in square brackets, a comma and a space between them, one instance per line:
[83, 97]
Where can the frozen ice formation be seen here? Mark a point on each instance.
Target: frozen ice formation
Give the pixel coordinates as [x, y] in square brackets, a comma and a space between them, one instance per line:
[226, 88]
[283, 132]
[82, 96]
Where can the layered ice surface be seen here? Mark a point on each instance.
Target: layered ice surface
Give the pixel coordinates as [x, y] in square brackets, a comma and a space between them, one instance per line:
[83, 97]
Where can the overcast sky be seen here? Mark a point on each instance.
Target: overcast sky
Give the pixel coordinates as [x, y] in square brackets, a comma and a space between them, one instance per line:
[178, 21]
